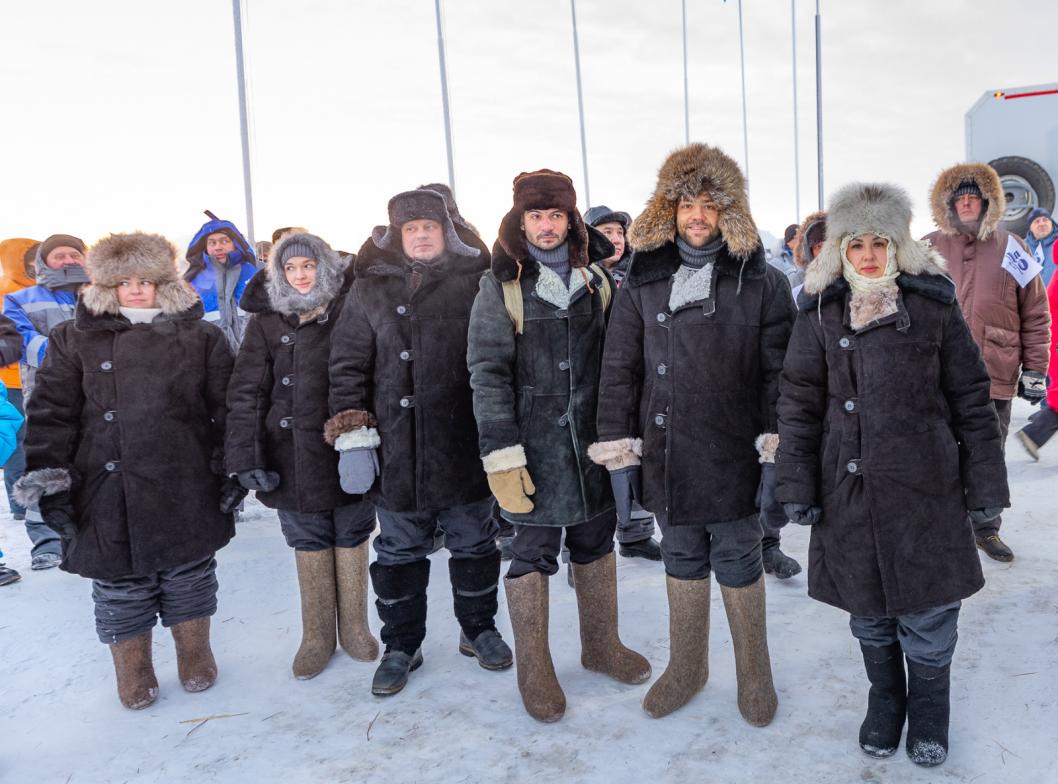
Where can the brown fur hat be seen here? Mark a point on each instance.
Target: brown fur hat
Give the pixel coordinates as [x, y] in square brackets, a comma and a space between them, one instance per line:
[539, 190]
[948, 181]
[802, 249]
[121, 256]
[688, 171]
[879, 208]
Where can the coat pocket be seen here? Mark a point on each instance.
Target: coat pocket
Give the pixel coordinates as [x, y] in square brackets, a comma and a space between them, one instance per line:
[1002, 353]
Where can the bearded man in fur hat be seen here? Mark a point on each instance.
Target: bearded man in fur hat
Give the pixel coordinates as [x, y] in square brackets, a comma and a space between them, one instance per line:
[1009, 320]
[536, 337]
[689, 385]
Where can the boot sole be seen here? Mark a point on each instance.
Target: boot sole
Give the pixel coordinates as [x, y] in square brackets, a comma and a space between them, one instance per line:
[466, 650]
[415, 664]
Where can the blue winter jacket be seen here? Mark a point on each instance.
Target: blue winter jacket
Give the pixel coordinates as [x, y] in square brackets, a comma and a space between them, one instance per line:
[202, 274]
[10, 422]
[1048, 249]
[35, 311]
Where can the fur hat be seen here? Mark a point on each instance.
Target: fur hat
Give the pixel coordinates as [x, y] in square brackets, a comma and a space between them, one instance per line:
[878, 208]
[951, 180]
[121, 256]
[330, 274]
[420, 204]
[539, 190]
[813, 229]
[450, 202]
[687, 172]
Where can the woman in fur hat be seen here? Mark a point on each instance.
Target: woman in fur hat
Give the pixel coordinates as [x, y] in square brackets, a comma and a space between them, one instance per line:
[277, 407]
[124, 452]
[887, 438]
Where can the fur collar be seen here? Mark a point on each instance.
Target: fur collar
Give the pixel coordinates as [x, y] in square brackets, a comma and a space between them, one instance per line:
[870, 306]
[87, 319]
[690, 285]
[949, 180]
[937, 287]
[663, 262]
[551, 289]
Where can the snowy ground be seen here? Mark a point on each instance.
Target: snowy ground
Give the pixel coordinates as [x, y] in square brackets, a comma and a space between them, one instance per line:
[60, 720]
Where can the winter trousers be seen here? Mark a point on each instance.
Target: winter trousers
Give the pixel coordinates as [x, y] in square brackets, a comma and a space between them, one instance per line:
[926, 637]
[346, 526]
[130, 606]
[991, 527]
[1042, 425]
[772, 516]
[536, 547]
[44, 539]
[16, 464]
[732, 549]
[404, 537]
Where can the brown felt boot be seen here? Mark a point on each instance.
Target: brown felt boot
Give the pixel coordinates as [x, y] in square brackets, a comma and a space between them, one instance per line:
[688, 668]
[527, 603]
[757, 700]
[194, 658]
[601, 649]
[137, 685]
[350, 571]
[318, 610]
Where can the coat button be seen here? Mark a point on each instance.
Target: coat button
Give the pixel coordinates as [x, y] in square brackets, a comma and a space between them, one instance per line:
[284, 422]
[659, 420]
[404, 402]
[106, 365]
[402, 309]
[661, 318]
[405, 355]
[852, 466]
[844, 342]
[662, 370]
[561, 313]
[563, 420]
[850, 406]
[285, 339]
[109, 416]
[111, 466]
[563, 365]
[286, 381]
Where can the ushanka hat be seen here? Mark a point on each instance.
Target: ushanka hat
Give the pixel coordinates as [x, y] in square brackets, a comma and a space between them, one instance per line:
[420, 204]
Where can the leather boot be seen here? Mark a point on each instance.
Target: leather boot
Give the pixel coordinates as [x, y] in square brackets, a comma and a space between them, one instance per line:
[527, 604]
[350, 576]
[757, 701]
[318, 607]
[137, 684]
[886, 701]
[194, 658]
[688, 668]
[601, 649]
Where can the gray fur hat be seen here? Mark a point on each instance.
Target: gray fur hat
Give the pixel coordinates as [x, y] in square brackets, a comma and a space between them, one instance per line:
[420, 204]
[330, 274]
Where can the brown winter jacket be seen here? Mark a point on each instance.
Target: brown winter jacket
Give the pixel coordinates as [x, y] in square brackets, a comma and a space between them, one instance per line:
[1011, 324]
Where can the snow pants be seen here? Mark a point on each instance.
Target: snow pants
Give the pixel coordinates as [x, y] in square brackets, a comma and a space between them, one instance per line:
[732, 549]
[130, 606]
[926, 637]
[346, 526]
[405, 537]
[536, 547]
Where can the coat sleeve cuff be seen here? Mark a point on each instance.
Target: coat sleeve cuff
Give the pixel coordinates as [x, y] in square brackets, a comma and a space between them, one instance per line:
[504, 459]
[617, 454]
[767, 444]
[345, 422]
[36, 484]
[361, 438]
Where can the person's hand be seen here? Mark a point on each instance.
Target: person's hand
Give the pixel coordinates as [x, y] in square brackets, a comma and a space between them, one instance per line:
[58, 513]
[231, 495]
[627, 484]
[512, 489]
[258, 479]
[803, 514]
[357, 469]
[1032, 386]
[979, 516]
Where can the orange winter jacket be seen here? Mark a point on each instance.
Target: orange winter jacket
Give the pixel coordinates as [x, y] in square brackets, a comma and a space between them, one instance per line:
[14, 279]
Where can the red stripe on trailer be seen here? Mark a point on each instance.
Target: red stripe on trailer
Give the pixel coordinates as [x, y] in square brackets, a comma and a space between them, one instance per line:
[1030, 95]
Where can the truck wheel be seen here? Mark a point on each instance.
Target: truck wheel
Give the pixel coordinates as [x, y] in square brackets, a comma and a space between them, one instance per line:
[1026, 186]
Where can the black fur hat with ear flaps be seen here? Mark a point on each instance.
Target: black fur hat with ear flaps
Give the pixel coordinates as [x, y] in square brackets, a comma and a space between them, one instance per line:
[420, 204]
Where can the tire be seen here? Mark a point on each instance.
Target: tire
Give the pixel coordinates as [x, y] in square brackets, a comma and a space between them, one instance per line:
[1027, 186]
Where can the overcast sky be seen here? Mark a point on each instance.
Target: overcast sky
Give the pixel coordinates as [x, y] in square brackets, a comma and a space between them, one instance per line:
[123, 114]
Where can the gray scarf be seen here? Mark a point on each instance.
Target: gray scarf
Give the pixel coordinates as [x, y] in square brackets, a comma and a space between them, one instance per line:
[72, 275]
[557, 259]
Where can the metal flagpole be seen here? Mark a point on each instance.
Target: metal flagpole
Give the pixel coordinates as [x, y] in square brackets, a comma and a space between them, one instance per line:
[240, 71]
[796, 143]
[686, 91]
[580, 103]
[444, 95]
[742, 60]
[819, 102]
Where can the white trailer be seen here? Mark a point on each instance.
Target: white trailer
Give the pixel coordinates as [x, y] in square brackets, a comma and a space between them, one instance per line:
[1015, 130]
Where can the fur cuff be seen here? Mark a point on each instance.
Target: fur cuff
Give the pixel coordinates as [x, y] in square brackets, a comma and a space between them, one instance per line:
[616, 454]
[37, 484]
[361, 438]
[767, 444]
[345, 422]
[504, 459]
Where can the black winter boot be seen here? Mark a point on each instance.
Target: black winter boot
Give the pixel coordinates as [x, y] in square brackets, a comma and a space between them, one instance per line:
[928, 706]
[401, 605]
[886, 701]
[647, 549]
[779, 563]
[474, 586]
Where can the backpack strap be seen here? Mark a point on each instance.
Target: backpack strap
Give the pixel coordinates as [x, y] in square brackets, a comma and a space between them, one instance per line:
[512, 300]
[605, 290]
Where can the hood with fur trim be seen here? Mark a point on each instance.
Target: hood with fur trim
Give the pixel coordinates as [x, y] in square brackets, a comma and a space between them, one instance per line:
[148, 256]
[281, 296]
[687, 172]
[803, 252]
[12, 257]
[879, 208]
[986, 179]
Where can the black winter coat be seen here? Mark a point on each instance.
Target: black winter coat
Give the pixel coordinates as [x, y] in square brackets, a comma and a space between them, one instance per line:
[277, 402]
[700, 385]
[136, 414]
[400, 356]
[540, 389]
[891, 430]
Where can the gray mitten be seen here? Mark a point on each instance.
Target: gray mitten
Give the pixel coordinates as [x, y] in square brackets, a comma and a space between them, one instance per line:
[357, 469]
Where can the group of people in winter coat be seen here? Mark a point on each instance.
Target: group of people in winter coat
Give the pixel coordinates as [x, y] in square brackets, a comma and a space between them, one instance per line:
[424, 380]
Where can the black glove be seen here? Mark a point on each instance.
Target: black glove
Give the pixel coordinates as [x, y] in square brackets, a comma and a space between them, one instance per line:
[231, 495]
[58, 513]
[1032, 387]
[259, 479]
[803, 514]
[979, 516]
[627, 484]
[771, 512]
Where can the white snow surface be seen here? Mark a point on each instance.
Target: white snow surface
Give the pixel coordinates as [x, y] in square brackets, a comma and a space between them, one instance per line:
[60, 719]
